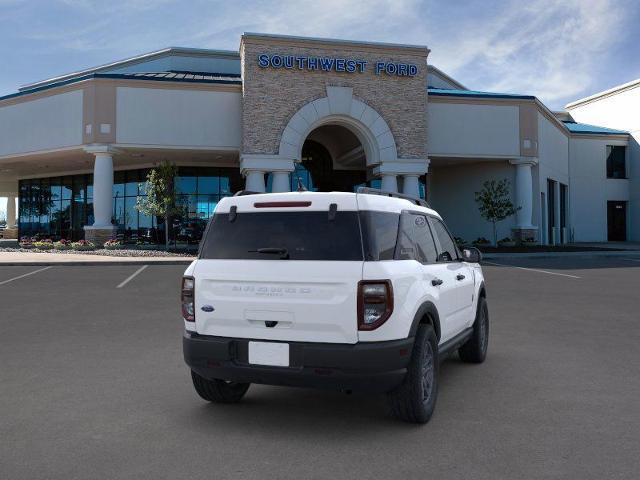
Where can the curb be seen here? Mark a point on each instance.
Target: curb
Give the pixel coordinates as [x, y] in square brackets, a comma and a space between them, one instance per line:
[94, 263]
[617, 253]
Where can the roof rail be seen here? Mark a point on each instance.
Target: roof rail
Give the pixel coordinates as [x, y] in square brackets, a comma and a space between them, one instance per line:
[383, 193]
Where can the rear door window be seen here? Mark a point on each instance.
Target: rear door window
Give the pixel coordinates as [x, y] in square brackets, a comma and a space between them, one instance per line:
[415, 241]
[302, 235]
[379, 232]
[448, 251]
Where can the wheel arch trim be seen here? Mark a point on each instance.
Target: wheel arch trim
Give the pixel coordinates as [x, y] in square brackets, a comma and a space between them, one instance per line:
[429, 309]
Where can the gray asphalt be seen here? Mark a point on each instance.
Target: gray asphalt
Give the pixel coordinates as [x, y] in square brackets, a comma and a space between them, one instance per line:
[93, 386]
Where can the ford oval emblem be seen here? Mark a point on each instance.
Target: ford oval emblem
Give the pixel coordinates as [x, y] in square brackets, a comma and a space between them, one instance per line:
[207, 308]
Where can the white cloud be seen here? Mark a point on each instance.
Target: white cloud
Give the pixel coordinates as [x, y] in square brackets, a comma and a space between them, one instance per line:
[546, 48]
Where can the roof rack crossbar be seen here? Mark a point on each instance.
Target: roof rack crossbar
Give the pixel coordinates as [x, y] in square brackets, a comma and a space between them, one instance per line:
[384, 193]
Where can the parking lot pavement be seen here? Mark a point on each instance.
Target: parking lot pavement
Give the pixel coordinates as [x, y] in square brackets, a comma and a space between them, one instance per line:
[93, 386]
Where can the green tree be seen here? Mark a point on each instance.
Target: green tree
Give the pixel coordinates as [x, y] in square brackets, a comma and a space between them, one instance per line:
[160, 199]
[494, 203]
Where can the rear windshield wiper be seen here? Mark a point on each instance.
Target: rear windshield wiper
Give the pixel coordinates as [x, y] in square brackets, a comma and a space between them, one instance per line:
[283, 252]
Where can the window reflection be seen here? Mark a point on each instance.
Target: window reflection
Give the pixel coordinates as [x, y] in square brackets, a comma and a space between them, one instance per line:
[59, 207]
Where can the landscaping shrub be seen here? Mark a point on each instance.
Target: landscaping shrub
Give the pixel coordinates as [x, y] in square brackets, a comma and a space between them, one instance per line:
[43, 244]
[62, 245]
[83, 245]
[113, 244]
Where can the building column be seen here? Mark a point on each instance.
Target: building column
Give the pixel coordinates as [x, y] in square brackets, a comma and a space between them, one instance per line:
[254, 181]
[254, 165]
[411, 185]
[409, 170]
[389, 183]
[11, 232]
[11, 212]
[102, 228]
[524, 198]
[280, 182]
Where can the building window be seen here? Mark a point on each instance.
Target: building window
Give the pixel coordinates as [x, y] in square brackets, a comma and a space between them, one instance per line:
[551, 210]
[616, 163]
[59, 207]
[563, 212]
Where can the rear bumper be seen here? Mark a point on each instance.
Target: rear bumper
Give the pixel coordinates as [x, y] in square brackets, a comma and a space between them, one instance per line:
[365, 367]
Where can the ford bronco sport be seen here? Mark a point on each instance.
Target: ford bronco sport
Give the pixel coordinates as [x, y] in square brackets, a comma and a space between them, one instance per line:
[358, 291]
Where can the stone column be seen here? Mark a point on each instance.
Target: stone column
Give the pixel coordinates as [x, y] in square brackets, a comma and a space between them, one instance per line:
[389, 183]
[408, 169]
[102, 228]
[524, 198]
[280, 182]
[411, 185]
[254, 181]
[11, 232]
[11, 212]
[254, 165]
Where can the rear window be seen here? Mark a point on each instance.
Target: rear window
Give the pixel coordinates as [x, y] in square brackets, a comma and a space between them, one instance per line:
[380, 232]
[302, 235]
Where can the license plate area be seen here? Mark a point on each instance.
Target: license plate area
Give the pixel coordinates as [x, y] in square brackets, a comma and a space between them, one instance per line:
[269, 353]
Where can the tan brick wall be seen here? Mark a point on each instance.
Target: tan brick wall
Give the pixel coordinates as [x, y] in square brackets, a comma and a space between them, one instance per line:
[99, 236]
[271, 96]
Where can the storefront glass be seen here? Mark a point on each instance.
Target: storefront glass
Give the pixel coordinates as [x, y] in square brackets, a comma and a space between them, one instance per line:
[60, 207]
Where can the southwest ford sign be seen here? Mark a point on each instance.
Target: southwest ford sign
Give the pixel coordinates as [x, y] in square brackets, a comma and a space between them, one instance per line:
[333, 64]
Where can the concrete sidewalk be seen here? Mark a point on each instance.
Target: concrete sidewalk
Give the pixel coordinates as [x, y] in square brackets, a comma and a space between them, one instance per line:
[43, 259]
[593, 253]
[38, 259]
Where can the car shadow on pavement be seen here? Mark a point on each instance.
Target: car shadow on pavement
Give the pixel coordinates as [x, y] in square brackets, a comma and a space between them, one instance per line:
[291, 411]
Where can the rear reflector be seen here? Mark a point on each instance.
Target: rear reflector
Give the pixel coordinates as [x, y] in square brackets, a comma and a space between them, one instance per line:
[281, 204]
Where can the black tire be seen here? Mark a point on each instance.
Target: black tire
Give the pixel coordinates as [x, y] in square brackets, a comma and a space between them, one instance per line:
[415, 400]
[475, 349]
[219, 391]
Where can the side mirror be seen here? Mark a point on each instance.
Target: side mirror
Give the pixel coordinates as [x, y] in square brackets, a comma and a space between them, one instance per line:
[471, 255]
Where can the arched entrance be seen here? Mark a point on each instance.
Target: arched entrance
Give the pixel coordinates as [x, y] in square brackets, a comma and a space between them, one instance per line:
[341, 141]
[334, 158]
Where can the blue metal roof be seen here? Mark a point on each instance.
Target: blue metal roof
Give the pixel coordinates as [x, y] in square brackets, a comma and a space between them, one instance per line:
[575, 127]
[444, 92]
[188, 77]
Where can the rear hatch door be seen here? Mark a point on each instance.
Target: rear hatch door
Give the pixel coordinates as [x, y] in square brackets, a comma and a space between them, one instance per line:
[286, 273]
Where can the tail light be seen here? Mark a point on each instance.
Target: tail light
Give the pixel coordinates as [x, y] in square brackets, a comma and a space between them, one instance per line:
[375, 303]
[187, 298]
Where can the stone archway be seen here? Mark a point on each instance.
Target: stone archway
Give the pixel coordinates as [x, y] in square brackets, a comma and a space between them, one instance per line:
[339, 107]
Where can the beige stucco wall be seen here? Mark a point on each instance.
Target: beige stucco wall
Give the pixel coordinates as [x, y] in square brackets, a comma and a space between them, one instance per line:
[178, 117]
[50, 122]
[460, 129]
[272, 96]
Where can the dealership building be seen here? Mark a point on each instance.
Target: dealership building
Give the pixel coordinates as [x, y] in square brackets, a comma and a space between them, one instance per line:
[328, 114]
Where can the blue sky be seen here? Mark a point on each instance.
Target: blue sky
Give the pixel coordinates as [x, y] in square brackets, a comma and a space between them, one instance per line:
[557, 50]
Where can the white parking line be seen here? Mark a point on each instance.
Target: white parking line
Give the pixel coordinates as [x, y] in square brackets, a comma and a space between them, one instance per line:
[25, 275]
[132, 276]
[532, 269]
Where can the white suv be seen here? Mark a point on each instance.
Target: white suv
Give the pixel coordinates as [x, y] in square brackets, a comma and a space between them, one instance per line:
[358, 291]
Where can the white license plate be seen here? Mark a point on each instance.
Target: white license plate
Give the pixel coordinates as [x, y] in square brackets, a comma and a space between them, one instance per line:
[269, 353]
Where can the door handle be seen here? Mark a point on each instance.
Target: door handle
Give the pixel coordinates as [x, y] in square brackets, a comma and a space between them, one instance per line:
[460, 277]
[436, 281]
